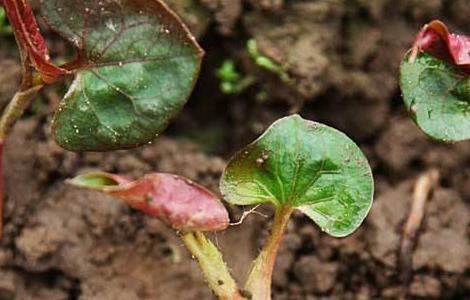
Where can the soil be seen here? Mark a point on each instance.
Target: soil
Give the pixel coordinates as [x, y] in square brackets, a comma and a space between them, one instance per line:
[342, 59]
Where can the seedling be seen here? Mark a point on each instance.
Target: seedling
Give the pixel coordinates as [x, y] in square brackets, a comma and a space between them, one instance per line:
[435, 82]
[265, 62]
[231, 81]
[135, 66]
[295, 165]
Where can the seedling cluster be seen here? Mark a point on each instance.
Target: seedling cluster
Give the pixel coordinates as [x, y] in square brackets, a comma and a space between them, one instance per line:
[295, 165]
[135, 67]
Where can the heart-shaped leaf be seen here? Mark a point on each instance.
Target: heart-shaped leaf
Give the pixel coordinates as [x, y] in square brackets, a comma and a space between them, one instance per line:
[437, 95]
[305, 165]
[136, 67]
[179, 202]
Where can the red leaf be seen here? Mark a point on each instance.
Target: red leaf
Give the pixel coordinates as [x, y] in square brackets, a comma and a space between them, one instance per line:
[177, 201]
[31, 41]
[435, 39]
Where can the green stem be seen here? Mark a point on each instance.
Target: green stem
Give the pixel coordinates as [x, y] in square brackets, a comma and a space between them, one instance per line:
[30, 86]
[212, 265]
[260, 275]
[15, 110]
[11, 114]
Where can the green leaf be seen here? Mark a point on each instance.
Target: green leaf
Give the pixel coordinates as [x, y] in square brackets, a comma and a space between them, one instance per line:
[437, 95]
[305, 165]
[136, 68]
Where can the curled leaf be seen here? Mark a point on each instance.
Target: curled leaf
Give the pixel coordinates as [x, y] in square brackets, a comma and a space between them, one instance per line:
[136, 67]
[179, 202]
[435, 82]
[437, 97]
[305, 165]
[30, 39]
[435, 39]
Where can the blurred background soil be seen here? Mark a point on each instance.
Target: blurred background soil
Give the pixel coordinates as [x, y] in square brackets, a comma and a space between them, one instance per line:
[341, 59]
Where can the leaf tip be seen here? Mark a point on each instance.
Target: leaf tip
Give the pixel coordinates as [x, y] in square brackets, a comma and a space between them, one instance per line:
[96, 180]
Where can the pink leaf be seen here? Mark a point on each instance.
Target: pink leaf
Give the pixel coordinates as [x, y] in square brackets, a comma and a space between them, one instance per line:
[435, 39]
[177, 201]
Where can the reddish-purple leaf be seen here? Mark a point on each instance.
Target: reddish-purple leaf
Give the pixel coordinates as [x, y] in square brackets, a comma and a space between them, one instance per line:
[31, 41]
[177, 201]
[136, 66]
[435, 39]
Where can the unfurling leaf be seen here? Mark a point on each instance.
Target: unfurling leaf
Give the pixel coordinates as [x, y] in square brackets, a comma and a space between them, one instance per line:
[179, 202]
[30, 39]
[136, 67]
[437, 96]
[305, 165]
[435, 83]
[435, 39]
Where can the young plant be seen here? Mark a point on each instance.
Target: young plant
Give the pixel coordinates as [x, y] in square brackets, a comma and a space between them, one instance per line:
[265, 62]
[435, 82]
[295, 164]
[136, 64]
[231, 81]
[183, 205]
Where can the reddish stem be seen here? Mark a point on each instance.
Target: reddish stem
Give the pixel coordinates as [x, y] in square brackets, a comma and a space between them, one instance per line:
[30, 40]
[1, 189]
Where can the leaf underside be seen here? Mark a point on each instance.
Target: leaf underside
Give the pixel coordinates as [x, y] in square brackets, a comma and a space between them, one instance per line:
[437, 95]
[137, 65]
[305, 165]
[435, 39]
[177, 201]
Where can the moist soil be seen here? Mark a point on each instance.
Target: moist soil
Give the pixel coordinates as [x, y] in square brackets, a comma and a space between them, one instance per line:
[341, 58]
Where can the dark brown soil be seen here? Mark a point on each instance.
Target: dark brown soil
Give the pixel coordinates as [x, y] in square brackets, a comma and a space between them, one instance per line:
[342, 58]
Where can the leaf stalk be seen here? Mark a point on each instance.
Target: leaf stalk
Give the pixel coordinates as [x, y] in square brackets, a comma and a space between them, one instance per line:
[212, 265]
[260, 275]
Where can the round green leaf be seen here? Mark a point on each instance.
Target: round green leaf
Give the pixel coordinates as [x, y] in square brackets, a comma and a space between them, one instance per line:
[305, 165]
[437, 95]
[136, 68]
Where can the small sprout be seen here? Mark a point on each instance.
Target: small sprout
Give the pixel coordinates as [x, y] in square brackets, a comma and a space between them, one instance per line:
[265, 62]
[177, 201]
[435, 82]
[228, 72]
[231, 81]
